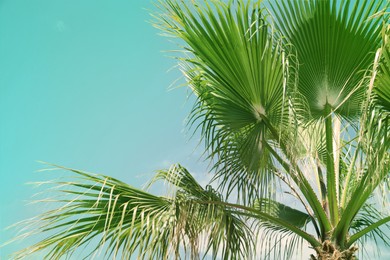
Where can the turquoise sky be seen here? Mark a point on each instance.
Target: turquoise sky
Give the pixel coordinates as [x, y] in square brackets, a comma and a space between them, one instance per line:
[84, 84]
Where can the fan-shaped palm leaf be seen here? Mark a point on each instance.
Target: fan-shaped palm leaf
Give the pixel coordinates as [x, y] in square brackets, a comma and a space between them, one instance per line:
[335, 42]
[237, 71]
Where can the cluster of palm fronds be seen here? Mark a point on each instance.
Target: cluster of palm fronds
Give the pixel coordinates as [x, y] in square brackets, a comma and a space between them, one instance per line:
[292, 96]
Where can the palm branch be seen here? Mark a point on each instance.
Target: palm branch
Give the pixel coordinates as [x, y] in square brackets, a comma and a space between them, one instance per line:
[121, 220]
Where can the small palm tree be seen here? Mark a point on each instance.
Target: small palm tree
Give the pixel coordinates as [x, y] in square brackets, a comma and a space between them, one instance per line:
[293, 97]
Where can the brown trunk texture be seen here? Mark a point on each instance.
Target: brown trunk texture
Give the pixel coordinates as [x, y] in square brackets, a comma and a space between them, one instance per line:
[329, 251]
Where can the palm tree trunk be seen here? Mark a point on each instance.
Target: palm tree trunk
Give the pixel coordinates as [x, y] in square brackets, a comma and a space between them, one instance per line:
[330, 251]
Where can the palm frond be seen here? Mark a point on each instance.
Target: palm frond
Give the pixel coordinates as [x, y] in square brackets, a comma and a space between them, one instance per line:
[99, 208]
[237, 69]
[382, 80]
[369, 167]
[335, 42]
[123, 220]
[293, 216]
[275, 242]
[368, 216]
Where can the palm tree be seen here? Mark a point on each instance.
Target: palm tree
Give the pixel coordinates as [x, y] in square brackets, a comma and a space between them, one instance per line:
[293, 97]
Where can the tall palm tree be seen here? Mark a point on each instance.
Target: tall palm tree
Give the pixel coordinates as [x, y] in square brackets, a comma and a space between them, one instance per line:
[293, 97]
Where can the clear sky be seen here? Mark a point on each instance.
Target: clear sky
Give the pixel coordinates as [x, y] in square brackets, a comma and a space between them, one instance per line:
[84, 84]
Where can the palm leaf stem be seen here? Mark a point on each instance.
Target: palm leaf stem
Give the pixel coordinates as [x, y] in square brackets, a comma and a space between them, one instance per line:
[296, 194]
[367, 184]
[299, 179]
[264, 216]
[330, 168]
[347, 179]
[336, 153]
[368, 229]
[341, 228]
[308, 193]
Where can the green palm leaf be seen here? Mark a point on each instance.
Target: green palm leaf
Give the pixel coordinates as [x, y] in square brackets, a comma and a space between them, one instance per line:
[368, 216]
[123, 220]
[368, 170]
[293, 216]
[335, 42]
[382, 80]
[108, 211]
[237, 70]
